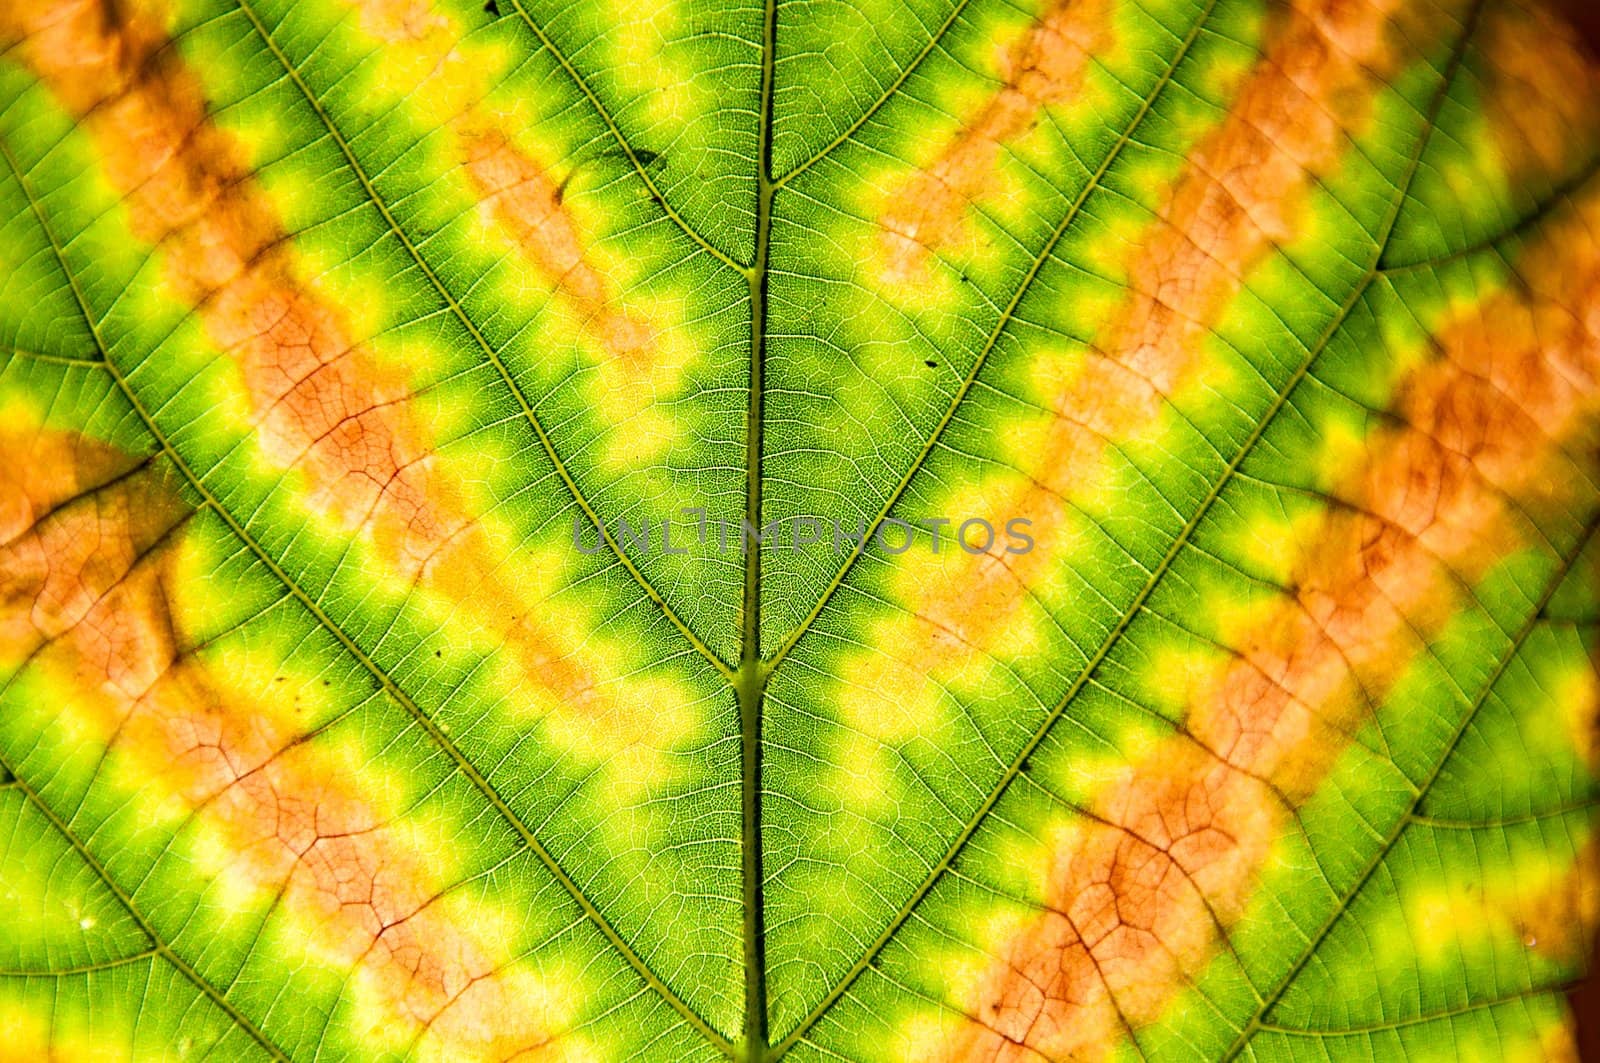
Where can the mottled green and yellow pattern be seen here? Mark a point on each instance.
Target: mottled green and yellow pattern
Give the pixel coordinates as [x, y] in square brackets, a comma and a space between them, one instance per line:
[325, 325]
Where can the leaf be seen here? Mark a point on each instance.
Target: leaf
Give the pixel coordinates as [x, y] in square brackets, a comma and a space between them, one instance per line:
[1172, 431]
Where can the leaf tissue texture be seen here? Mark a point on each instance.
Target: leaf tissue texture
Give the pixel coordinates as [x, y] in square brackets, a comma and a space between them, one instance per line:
[391, 392]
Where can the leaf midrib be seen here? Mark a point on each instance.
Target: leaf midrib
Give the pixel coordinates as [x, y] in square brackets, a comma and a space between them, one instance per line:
[750, 682]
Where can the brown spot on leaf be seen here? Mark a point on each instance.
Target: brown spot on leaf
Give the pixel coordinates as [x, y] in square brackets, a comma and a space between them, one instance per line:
[1496, 432]
[89, 571]
[324, 406]
[1043, 68]
[521, 197]
[1238, 197]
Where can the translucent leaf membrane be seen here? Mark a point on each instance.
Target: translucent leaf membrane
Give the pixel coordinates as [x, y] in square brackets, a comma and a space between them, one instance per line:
[1192, 405]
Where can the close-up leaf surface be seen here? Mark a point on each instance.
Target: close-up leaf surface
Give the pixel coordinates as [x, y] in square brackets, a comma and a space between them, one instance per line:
[963, 530]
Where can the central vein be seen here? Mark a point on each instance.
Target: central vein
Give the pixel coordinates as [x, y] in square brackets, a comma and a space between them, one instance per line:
[750, 679]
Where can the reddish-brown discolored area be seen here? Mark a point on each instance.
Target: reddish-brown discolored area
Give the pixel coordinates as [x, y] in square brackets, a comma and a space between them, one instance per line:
[517, 192]
[1495, 434]
[521, 196]
[324, 406]
[89, 571]
[1046, 66]
[1240, 195]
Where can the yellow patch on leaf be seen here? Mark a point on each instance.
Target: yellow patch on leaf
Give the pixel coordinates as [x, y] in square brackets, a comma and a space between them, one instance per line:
[1045, 66]
[87, 597]
[1483, 437]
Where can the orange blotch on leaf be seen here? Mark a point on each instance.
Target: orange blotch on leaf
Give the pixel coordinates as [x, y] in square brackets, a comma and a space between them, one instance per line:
[1238, 197]
[1498, 430]
[518, 195]
[522, 198]
[1542, 93]
[324, 406]
[89, 581]
[1045, 67]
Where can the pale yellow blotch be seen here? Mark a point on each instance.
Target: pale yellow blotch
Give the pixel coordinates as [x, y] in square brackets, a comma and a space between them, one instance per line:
[640, 59]
[365, 300]
[1022, 861]
[1556, 1042]
[926, 1035]
[462, 82]
[1027, 433]
[1577, 696]
[1504, 904]
[1215, 373]
[1220, 77]
[1343, 448]
[33, 1035]
[962, 970]
[228, 403]
[261, 133]
[886, 698]
[1052, 370]
[293, 192]
[1148, 442]
[647, 436]
[632, 730]
[1465, 174]
[74, 732]
[626, 397]
[233, 895]
[372, 1019]
[1119, 240]
[1086, 774]
[1232, 618]
[27, 1038]
[860, 774]
[1405, 349]
[1176, 676]
[1274, 542]
[420, 48]
[1550, 1042]
[1440, 918]
[1317, 227]
[163, 295]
